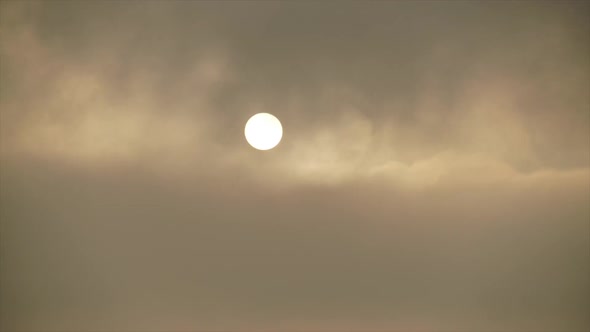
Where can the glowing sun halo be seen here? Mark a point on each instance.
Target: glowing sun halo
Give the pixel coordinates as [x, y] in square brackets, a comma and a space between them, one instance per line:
[263, 131]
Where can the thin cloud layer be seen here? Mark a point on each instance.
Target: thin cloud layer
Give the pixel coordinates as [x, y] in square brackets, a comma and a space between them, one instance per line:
[434, 173]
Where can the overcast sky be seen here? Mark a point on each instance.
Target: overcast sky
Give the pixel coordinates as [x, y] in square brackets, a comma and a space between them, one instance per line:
[434, 172]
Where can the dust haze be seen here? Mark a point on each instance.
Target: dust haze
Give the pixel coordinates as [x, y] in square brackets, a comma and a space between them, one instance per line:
[434, 172]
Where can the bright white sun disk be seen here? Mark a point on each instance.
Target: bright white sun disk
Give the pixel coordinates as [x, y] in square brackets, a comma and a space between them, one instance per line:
[263, 131]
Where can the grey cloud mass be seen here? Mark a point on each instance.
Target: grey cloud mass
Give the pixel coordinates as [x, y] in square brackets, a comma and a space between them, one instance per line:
[434, 173]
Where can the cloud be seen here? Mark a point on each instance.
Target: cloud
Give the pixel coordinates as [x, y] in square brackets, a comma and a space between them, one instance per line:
[118, 246]
[433, 175]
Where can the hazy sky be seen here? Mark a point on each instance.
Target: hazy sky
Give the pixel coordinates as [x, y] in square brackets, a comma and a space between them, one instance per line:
[434, 173]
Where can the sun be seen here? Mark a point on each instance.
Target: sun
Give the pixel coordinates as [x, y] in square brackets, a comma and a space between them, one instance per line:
[263, 131]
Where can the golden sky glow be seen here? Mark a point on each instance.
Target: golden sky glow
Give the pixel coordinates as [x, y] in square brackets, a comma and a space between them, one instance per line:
[433, 173]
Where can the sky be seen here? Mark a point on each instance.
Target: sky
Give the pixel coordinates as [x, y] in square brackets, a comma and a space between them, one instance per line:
[434, 171]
